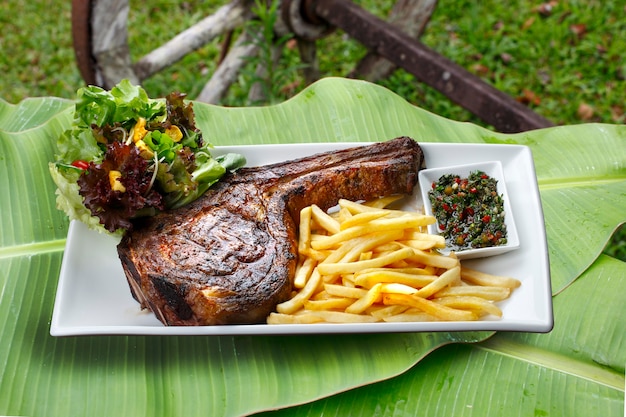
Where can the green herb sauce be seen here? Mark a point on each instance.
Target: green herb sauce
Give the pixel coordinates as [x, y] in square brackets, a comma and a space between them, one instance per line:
[469, 211]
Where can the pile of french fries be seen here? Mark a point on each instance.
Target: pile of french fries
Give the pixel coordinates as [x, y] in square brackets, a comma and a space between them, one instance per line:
[366, 262]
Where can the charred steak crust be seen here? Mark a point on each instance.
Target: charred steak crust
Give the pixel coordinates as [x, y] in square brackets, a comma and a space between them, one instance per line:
[229, 257]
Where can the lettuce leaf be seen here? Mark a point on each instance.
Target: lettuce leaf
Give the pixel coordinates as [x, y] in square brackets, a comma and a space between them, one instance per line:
[176, 165]
[125, 102]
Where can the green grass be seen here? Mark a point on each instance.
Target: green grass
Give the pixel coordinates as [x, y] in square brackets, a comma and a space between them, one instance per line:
[37, 58]
[568, 65]
[509, 44]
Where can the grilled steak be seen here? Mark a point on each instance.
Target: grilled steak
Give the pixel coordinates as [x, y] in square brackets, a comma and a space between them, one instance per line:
[229, 257]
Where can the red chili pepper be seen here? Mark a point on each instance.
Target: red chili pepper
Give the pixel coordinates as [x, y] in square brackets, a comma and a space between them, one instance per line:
[486, 218]
[80, 164]
[473, 190]
[484, 176]
[442, 227]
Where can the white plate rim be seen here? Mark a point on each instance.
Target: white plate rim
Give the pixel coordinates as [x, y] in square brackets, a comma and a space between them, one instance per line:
[75, 301]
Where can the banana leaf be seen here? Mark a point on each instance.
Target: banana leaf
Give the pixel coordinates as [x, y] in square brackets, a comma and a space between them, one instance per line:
[577, 369]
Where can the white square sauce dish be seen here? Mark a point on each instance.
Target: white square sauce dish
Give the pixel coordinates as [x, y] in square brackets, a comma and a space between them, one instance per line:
[465, 250]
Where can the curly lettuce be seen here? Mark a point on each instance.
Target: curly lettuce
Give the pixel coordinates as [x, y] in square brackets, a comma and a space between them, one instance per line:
[128, 156]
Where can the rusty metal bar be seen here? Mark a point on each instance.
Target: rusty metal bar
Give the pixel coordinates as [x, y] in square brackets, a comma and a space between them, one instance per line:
[459, 85]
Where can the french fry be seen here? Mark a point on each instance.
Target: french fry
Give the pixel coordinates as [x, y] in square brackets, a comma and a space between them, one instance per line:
[448, 278]
[304, 238]
[407, 270]
[477, 304]
[382, 312]
[383, 202]
[488, 293]
[433, 259]
[387, 247]
[320, 295]
[369, 277]
[373, 295]
[373, 206]
[356, 208]
[365, 256]
[347, 280]
[361, 218]
[367, 263]
[341, 291]
[395, 288]
[328, 304]
[303, 272]
[481, 278]
[317, 255]
[410, 235]
[292, 305]
[324, 220]
[420, 244]
[430, 307]
[414, 315]
[352, 267]
[343, 214]
[279, 318]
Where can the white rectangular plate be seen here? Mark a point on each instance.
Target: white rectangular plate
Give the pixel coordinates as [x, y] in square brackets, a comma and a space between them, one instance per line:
[93, 296]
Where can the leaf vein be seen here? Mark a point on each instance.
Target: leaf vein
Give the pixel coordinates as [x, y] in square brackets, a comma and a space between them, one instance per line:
[555, 361]
[34, 248]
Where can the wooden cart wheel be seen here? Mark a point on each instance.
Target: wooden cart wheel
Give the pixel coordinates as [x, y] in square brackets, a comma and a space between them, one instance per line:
[100, 34]
[99, 30]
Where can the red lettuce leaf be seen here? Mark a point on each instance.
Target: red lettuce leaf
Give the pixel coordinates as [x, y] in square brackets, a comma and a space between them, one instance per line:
[116, 208]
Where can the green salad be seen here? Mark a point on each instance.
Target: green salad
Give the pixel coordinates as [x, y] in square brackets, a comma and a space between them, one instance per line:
[128, 156]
